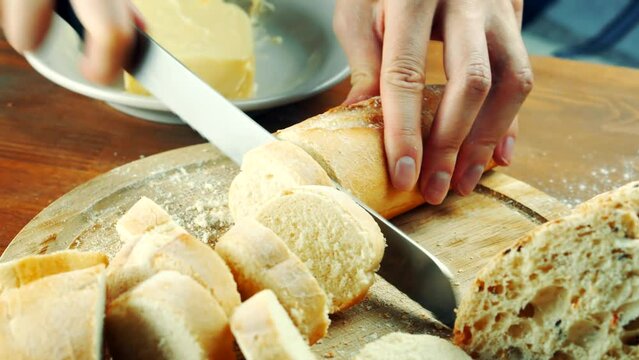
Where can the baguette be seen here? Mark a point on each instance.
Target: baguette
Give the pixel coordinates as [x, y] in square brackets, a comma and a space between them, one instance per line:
[167, 247]
[168, 316]
[20, 272]
[568, 290]
[59, 316]
[268, 170]
[347, 141]
[263, 330]
[411, 347]
[338, 241]
[260, 260]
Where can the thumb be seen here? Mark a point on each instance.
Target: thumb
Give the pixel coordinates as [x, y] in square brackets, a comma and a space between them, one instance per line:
[354, 24]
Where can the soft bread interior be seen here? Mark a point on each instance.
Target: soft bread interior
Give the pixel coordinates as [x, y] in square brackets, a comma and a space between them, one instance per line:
[168, 316]
[337, 240]
[260, 260]
[569, 290]
[268, 170]
[264, 331]
[411, 347]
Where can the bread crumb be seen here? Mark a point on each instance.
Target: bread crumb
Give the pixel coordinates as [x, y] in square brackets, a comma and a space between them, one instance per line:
[329, 355]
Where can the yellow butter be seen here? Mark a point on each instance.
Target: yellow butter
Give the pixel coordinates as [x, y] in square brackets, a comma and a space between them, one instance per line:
[211, 37]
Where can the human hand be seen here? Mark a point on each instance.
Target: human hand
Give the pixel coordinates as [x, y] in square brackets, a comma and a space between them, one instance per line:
[489, 77]
[108, 24]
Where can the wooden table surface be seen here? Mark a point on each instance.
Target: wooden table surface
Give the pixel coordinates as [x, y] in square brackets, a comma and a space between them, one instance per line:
[579, 133]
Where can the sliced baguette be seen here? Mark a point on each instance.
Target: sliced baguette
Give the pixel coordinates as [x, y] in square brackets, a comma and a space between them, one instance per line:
[568, 290]
[263, 330]
[347, 141]
[411, 347]
[20, 272]
[168, 316]
[169, 247]
[59, 316]
[338, 241]
[268, 170]
[260, 260]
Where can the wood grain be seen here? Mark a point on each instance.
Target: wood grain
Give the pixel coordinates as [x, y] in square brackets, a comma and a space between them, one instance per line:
[192, 184]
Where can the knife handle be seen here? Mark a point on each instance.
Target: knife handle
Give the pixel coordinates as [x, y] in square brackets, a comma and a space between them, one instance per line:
[64, 9]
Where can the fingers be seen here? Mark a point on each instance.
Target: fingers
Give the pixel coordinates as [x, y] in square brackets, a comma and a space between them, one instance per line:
[354, 23]
[505, 148]
[25, 22]
[407, 27]
[109, 37]
[468, 69]
[488, 137]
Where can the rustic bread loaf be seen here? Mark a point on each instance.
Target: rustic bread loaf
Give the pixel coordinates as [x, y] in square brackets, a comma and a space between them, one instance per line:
[347, 141]
[59, 316]
[568, 290]
[338, 241]
[260, 260]
[168, 316]
[411, 347]
[20, 272]
[268, 170]
[167, 247]
[263, 330]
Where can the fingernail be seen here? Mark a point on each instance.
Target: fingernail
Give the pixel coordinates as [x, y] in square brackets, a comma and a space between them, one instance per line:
[437, 187]
[507, 150]
[470, 179]
[405, 171]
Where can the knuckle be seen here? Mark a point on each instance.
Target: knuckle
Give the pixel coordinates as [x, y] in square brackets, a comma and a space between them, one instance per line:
[478, 78]
[487, 142]
[405, 73]
[522, 81]
[362, 76]
[407, 132]
[445, 147]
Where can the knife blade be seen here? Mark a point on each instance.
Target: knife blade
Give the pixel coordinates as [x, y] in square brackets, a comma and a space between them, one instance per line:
[406, 265]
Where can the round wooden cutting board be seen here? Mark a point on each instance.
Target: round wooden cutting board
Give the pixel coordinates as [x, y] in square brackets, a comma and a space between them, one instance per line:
[191, 183]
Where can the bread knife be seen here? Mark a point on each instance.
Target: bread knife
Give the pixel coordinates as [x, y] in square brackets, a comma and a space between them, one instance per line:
[406, 265]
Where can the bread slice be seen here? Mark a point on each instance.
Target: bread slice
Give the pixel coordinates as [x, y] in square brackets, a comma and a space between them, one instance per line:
[338, 241]
[260, 260]
[168, 316]
[143, 217]
[20, 272]
[268, 170]
[568, 290]
[56, 317]
[411, 347]
[169, 247]
[263, 330]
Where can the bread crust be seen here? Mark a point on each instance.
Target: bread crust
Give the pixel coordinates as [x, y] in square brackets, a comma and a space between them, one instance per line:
[20, 272]
[167, 246]
[59, 316]
[347, 141]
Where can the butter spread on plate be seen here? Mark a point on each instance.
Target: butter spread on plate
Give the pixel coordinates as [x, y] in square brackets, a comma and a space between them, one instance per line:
[213, 38]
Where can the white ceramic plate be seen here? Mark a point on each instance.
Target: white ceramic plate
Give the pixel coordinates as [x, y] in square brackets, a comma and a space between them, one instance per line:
[308, 60]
